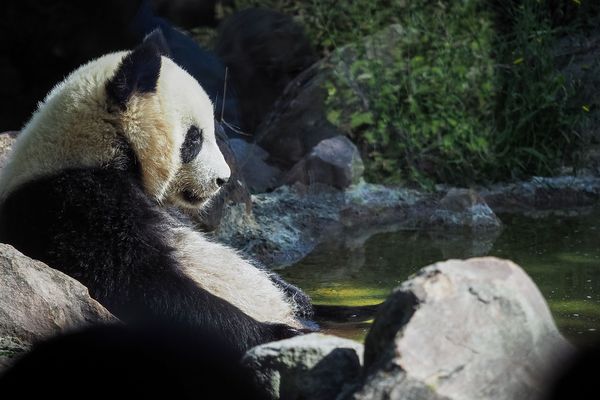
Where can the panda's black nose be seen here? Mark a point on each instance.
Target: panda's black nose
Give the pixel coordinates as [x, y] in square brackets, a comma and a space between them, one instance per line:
[221, 181]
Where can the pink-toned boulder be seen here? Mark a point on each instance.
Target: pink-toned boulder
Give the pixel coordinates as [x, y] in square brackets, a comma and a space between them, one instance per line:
[38, 302]
[474, 329]
[6, 141]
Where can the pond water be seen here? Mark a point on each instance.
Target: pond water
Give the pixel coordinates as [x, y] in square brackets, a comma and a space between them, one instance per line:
[560, 253]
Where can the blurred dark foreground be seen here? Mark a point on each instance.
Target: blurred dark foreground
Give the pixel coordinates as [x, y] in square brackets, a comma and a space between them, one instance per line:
[157, 361]
[142, 362]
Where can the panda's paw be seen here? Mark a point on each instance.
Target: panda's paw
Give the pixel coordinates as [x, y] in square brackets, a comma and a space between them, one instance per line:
[283, 331]
[301, 300]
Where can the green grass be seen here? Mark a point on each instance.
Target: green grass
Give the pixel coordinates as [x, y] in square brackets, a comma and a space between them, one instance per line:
[426, 121]
[472, 93]
[535, 112]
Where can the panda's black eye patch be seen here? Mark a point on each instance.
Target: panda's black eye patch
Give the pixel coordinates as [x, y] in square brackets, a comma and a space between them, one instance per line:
[191, 145]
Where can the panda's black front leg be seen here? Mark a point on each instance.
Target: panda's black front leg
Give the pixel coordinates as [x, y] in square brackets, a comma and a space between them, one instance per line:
[301, 299]
[191, 305]
[99, 227]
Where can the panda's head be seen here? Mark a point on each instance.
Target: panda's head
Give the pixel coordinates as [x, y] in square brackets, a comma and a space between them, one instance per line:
[136, 104]
[168, 120]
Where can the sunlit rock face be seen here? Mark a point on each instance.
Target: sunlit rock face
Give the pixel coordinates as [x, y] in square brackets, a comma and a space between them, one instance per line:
[38, 302]
[6, 141]
[288, 223]
[314, 366]
[474, 329]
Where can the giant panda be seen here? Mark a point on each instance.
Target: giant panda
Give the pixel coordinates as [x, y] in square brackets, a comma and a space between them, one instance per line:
[93, 186]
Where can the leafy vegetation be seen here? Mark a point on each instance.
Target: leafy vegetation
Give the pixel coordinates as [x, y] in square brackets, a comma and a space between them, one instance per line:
[427, 112]
[471, 92]
[535, 112]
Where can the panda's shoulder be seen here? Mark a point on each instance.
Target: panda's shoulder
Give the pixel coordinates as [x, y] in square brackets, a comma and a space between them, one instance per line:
[83, 212]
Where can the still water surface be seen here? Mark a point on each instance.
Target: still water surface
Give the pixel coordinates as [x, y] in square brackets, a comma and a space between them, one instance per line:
[561, 254]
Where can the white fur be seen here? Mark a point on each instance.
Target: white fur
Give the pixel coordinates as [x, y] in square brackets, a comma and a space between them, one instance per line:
[222, 272]
[75, 127]
[53, 139]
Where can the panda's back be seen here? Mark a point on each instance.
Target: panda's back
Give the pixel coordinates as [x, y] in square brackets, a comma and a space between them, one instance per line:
[92, 224]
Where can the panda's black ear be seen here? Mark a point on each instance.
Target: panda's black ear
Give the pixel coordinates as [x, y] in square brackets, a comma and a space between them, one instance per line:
[157, 38]
[138, 72]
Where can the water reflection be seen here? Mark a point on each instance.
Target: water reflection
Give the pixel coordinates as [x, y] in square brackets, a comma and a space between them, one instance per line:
[561, 254]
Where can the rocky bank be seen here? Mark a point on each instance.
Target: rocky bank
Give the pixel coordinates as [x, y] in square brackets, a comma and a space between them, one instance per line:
[455, 330]
[38, 302]
[285, 225]
[474, 329]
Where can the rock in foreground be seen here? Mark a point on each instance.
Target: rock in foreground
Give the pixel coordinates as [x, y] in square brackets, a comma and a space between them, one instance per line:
[7, 139]
[475, 329]
[37, 302]
[313, 366]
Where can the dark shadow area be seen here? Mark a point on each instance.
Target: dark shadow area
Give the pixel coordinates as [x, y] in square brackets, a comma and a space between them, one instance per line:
[144, 362]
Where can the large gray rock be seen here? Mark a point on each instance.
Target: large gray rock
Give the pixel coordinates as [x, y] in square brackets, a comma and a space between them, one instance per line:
[288, 223]
[258, 174]
[297, 121]
[464, 208]
[10, 348]
[7, 139]
[283, 227]
[37, 302]
[540, 196]
[325, 100]
[335, 162]
[314, 366]
[475, 329]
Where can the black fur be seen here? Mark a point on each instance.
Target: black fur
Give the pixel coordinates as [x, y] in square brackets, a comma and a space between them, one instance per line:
[98, 226]
[157, 38]
[191, 145]
[138, 72]
[301, 299]
[147, 362]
